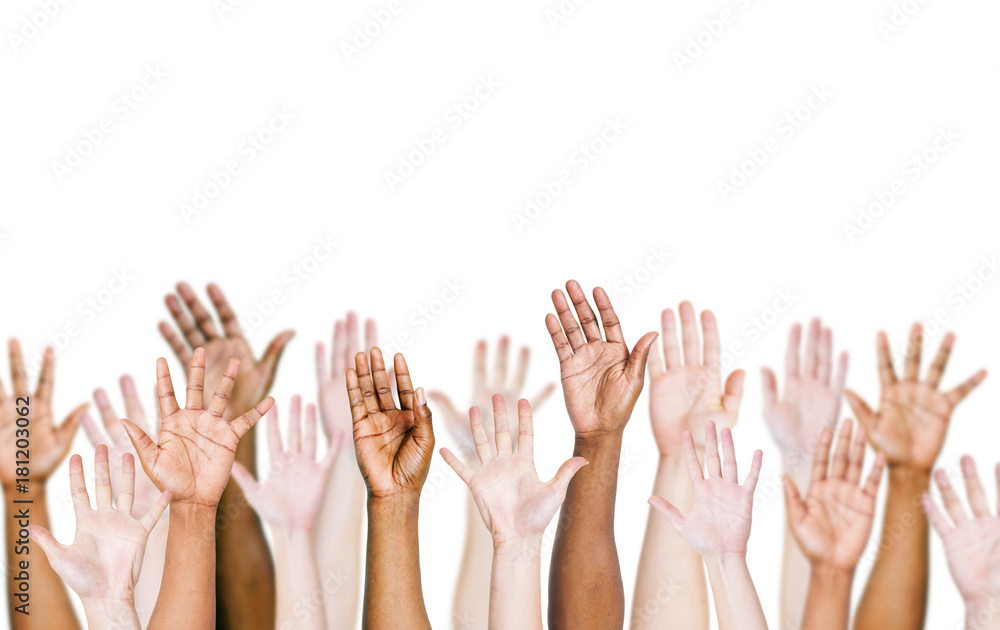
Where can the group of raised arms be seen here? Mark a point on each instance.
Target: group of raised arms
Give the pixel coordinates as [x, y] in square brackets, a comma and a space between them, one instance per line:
[172, 543]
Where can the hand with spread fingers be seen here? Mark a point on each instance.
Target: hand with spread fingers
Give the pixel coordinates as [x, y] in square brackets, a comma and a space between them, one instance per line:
[718, 526]
[833, 523]
[334, 405]
[102, 565]
[516, 507]
[910, 427]
[971, 544]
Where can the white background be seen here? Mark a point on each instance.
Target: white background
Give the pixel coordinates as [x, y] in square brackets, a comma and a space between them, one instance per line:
[655, 185]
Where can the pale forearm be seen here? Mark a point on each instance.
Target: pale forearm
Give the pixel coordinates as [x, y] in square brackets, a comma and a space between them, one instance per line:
[108, 615]
[736, 602]
[896, 594]
[299, 598]
[670, 589]
[828, 603]
[148, 587]
[393, 593]
[585, 581]
[795, 568]
[515, 599]
[187, 592]
[337, 538]
[472, 590]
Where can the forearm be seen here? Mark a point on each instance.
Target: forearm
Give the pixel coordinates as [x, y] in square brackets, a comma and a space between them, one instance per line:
[515, 599]
[119, 615]
[828, 603]
[393, 594]
[795, 570]
[245, 581]
[736, 602]
[896, 594]
[472, 591]
[42, 596]
[187, 592]
[148, 587]
[337, 538]
[670, 589]
[585, 581]
[299, 598]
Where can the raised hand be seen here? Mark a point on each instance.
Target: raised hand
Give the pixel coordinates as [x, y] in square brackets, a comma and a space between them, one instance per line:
[393, 445]
[812, 393]
[196, 447]
[601, 379]
[483, 386]
[514, 503]
[293, 493]
[103, 563]
[971, 544]
[913, 415]
[49, 443]
[834, 521]
[719, 522]
[334, 406]
[112, 433]
[686, 393]
[201, 332]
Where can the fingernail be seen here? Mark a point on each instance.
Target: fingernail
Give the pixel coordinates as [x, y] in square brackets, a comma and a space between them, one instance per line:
[420, 396]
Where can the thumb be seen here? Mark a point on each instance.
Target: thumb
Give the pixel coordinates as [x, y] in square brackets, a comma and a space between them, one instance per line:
[794, 505]
[273, 353]
[444, 403]
[733, 394]
[770, 385]
[667, 509]
[422, 427]
[247, 483]
[145, 448]
[53, 548]
[861, 409]
[70, 425]
[560, 483]
[640, 353]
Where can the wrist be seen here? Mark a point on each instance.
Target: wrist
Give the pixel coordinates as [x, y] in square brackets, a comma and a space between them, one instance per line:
[831, 576]
[598, 442]
[519, 546]
[187, 511]
[725, 560]
[904, 476]
[111, 612]
[399, 504]
[36, 489]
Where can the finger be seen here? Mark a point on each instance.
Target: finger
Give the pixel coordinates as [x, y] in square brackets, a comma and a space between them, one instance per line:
[295, 425]
[463, 471]
[196, 381]
[521, 371]
[795, 506]
[322, 373]
[126, 487]
[353, 335]
[840, 379]
[371, 333]
[133, 406]
[202, 318]
[911, 367]
[559, 341]
[501, 430]
[309, 434]
[479, 437]
[936, 370]
[770, 385]
[538, 399]
[951, 501]
[359, 407]
[792, 353]
[181, 350]
[840, 452]
[637, 358]
[567, 321]
[245, 480]
[938, 520]
[857, 457]
[220, 399]
[102, 476]
[712, 351]
[53, 548]
[245, 422]
[956, 395]
[94, 434]
[671, 347]
[864, 413]
[380, 380]
[809, 366]
[404, 388]
[712, 461]
[824, 356]
[191, 333]
[152, 517]
[974, 488]
[423, 426]
[667, 509]
[526, 429]
[165, 390]
[821, 458]
[750, 483]
[691, 459]
[273, 353]
[340, 353]
[729, 456]
[67, 430]
[78, 487]
[479, 366]
[569, 468]
[230, 325]
[444, 403]
[733, 394]
[588, 319]
[689, 334]
[886, 373]
[500, 363]
[274, 443]
[46, 377]
[332, 451]
[655, 362]
[875, 476]
[609, 319]
[365, 382]
[19, 376]
[144, 447]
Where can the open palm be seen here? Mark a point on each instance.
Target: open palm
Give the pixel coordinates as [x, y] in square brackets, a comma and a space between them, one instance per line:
[196, 446]
[393, 446]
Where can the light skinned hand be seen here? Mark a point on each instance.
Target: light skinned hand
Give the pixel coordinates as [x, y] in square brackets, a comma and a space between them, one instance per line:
[515, 504]
[49, 443]
[719, 521]
[293, 493]
[971, 542]
[104, 561]
[393, 445]
[334, 406]
[196, 448]
[483, 386]
[200, 331]
[913, 415]
[111, 433]
[601, 379]
[812, 393]
[833, 523]
[686, 391]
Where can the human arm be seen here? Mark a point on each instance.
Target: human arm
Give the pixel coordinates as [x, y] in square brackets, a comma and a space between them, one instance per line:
[910, 426]
[601, 381]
